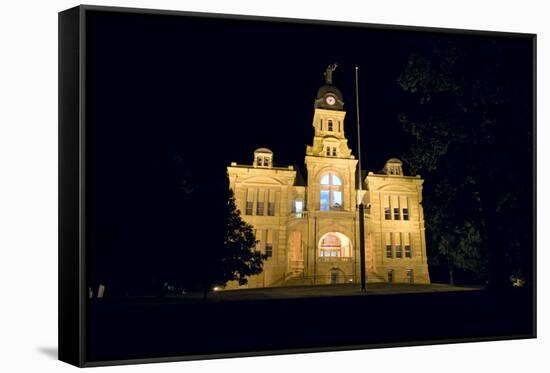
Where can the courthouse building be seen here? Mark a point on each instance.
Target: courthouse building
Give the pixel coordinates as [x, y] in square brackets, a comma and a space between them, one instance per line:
[310, 230]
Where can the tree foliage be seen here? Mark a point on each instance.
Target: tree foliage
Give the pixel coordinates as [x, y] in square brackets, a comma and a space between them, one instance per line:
[469, 124]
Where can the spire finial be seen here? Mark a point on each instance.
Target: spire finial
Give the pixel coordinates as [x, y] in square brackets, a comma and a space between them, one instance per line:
[328, 73]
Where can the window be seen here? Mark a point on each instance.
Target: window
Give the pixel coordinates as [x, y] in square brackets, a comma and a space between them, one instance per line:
[331, 196]
[339, 127]
[269, 243]
[260, 208]
[410, 276]
[390, 275]
[394, 171]
[330, 179]
[263, 161]
[334, 152]
[337, 199]
[407, 243]
[325, 200]
[405, 214]
[271, 203]
[330, 253]
[387, 208]
[328, 151]
[396, 215]
[298, 208]
[388, 251]
[398, 251]
[330, 124]
[388, 241]
[258, 234]
[249, 205]
[260, 202]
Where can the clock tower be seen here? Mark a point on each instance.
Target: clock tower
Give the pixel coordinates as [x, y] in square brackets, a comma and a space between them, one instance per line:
[330, 152]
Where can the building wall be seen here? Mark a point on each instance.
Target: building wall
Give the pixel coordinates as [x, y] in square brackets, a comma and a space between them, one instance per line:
[401, 192]
[312, 224]
[257, 185]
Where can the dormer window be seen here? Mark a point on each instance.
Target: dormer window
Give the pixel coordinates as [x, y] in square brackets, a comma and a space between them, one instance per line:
[334, 152]
[263, 158]
[394, 167]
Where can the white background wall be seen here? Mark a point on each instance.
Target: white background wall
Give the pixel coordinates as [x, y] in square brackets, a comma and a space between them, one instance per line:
[28, 183]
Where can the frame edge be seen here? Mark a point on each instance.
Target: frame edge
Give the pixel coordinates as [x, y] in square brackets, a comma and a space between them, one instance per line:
[70, 317]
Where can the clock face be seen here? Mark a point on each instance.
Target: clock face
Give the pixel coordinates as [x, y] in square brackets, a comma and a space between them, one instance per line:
[330, 100]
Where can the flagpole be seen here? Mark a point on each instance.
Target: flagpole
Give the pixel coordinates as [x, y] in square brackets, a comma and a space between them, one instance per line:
[360, 204]
[359, 181]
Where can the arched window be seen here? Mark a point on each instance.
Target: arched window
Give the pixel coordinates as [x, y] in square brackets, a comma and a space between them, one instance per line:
[331, 192]
[334, 245]
[330, 246]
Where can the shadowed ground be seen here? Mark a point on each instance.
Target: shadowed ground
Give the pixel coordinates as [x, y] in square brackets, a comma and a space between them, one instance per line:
[277, 320]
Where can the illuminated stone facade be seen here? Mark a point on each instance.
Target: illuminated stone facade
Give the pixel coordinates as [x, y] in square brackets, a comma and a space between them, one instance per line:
[311, 232]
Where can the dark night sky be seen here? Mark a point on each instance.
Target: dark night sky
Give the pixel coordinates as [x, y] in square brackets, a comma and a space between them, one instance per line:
[216, 90]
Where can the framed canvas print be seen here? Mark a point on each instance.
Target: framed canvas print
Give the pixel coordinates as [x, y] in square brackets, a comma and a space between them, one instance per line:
[239, 186]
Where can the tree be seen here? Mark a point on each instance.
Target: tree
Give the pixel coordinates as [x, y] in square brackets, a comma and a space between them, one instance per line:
[235, 259]
[239, 259]
[469, 123]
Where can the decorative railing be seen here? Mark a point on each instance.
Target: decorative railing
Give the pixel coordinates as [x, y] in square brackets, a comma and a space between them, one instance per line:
[299, 215]
[334, 259]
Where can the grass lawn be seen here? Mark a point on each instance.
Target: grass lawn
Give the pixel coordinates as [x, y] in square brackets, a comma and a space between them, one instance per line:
[321, 291]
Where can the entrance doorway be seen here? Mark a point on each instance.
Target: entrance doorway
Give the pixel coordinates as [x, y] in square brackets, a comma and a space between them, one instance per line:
[336, 276]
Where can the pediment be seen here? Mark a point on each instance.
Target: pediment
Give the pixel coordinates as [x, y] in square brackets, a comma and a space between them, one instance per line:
[396, 188]
[265, 180]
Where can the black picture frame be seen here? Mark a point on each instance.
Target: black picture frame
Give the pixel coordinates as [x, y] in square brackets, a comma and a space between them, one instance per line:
[74, 203]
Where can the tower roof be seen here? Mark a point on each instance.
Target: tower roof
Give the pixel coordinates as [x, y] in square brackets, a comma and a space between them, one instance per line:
[329, 88]
[263, 150]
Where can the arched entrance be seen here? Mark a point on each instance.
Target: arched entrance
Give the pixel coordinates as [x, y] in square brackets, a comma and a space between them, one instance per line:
[334, 246]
